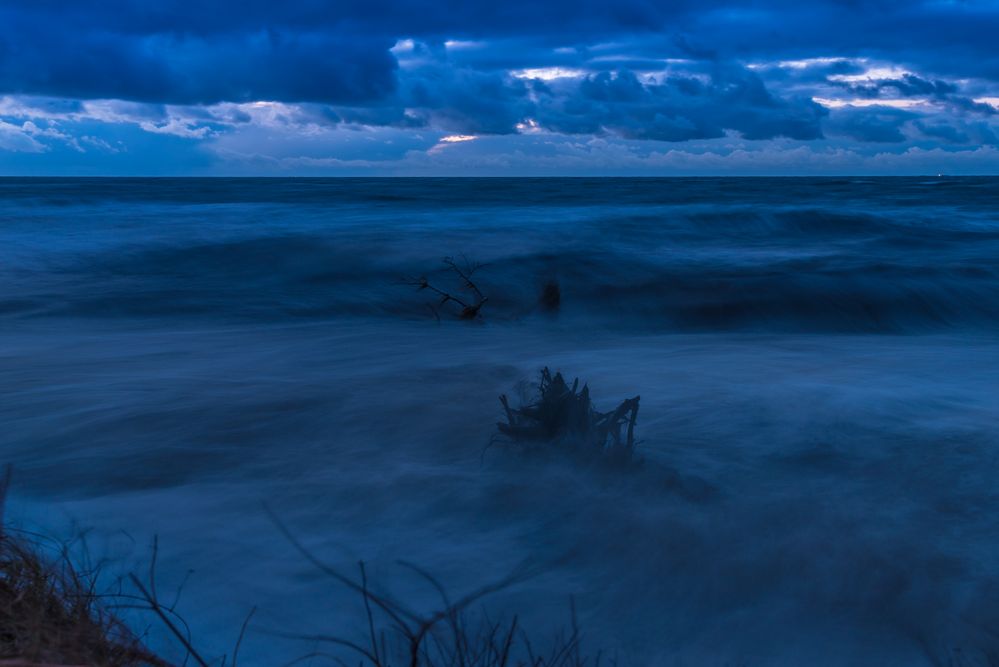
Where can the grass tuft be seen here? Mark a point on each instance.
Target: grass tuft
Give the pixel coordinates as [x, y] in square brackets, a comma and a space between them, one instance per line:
[50, 614]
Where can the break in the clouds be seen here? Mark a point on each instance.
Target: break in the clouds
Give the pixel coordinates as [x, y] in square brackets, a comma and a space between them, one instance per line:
[410, 87]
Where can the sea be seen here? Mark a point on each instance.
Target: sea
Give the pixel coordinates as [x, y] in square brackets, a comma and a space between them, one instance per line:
[214, 365]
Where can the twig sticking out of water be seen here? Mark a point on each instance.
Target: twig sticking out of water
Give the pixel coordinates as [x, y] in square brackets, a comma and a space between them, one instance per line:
[470, 307]
[164, 613]
[565, 416]
[148, 600]
[443, 638]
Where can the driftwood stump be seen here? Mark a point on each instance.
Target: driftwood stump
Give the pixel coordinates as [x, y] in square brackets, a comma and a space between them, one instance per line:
[565, 416]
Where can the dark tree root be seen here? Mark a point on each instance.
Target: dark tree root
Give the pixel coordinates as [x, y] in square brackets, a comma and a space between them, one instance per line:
[564, 416]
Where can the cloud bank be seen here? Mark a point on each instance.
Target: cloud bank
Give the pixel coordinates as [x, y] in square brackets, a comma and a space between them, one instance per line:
[218, 86]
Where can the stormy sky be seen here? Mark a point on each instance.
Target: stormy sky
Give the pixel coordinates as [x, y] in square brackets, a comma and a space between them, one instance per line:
[408, 87]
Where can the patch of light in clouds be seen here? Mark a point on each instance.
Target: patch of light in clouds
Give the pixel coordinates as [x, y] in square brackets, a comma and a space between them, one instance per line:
[805, 63]
[548, 73]
[529, 126]
[865, 102]
[461, 44]
[872, 74]
[450, 140]
[403, 46]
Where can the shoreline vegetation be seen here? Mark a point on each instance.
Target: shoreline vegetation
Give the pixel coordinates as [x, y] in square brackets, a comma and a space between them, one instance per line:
[55, 613]
[52, 613]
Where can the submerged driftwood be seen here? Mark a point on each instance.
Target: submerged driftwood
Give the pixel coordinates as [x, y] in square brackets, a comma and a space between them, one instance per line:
[565, 416]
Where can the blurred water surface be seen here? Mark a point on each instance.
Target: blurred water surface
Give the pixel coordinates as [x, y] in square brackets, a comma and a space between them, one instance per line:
[817, 360]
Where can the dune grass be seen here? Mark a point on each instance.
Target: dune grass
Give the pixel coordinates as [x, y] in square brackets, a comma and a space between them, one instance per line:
[51, 613]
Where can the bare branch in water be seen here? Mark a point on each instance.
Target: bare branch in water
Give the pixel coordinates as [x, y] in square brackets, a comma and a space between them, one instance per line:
[149, 596]
[469, 307]
[442, 638]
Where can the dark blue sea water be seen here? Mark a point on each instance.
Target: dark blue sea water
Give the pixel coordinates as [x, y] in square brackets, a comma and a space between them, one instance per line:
[817, 359]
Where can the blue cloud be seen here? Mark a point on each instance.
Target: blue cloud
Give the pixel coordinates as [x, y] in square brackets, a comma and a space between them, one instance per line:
[678, 108]
[78, 56]
[864, 75]
[182, 51]
[871, 124]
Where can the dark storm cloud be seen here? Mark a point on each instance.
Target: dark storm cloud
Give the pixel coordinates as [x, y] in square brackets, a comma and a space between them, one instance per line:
[957, 132]
[908, 85]
[881, 125]
[75, 55]
[312, 50]
[951, 38]
[676, 70]
[666, 107]
[911, 85]
[679, 108]
[467, 101]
